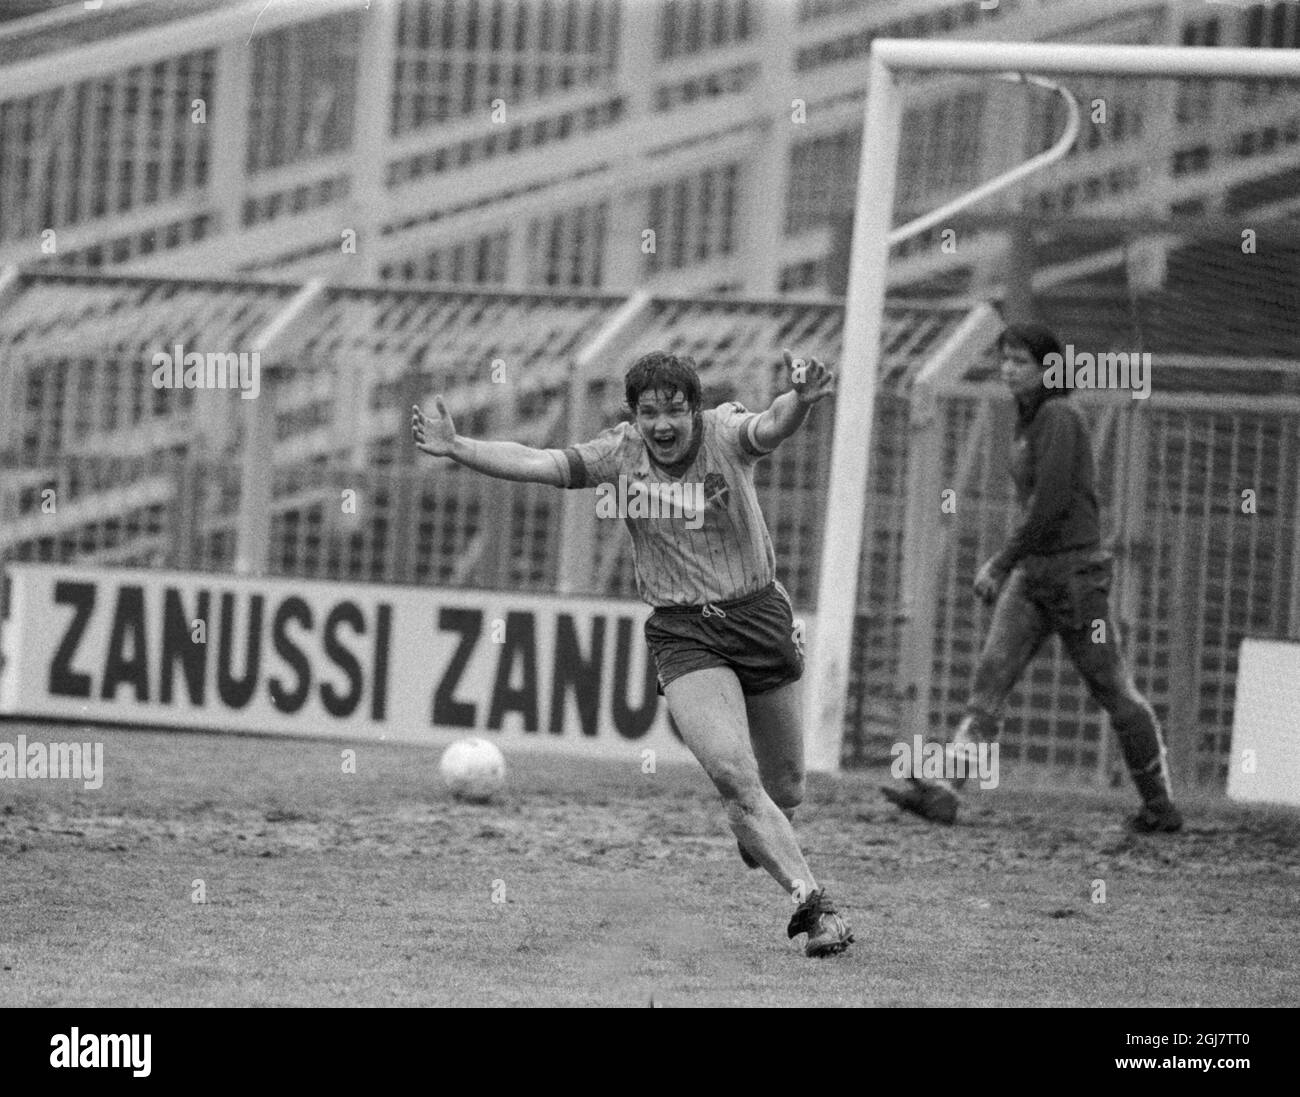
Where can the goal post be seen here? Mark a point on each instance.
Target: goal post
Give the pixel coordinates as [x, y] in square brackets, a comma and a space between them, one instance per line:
[831, 644]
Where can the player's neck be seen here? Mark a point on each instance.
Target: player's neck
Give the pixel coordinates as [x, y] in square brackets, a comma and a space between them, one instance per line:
[1028, 403]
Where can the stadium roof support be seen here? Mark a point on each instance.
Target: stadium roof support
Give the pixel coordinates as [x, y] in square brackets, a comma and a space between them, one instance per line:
[1293, 623]
[832, 643]
[578, 532]
[10, 288]
[100, 47]
[257, 484]
[922, 553]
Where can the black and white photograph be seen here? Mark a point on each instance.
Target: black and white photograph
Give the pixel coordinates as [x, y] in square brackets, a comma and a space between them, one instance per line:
[651, 503]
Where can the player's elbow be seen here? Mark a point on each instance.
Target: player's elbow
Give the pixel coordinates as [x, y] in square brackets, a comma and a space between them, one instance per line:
[546, 466]
[766, 434]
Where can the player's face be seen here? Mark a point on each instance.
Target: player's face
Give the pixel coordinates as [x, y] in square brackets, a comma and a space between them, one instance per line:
[665, 422]
[1020, 370]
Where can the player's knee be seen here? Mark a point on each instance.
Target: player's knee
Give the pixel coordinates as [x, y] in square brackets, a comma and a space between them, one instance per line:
[787, 791]
[1130, 711]
[1119, 696]
[738, 784]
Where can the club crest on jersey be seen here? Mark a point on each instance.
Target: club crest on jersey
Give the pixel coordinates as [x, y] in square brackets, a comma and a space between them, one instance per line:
[716, 490]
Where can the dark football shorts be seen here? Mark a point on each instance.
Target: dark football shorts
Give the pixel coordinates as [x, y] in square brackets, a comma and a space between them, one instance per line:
[1071, 588]
[753, 635]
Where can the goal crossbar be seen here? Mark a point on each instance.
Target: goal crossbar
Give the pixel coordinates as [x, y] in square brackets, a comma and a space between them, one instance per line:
[842, 537]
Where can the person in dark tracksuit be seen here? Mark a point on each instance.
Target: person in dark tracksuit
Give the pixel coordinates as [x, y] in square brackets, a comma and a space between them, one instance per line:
[1053, 576]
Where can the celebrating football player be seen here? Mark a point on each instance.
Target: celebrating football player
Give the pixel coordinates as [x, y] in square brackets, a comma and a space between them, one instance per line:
[722, 632]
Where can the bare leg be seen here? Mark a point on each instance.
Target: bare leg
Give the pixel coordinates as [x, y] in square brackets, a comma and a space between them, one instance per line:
[709, 710]
[776, 734]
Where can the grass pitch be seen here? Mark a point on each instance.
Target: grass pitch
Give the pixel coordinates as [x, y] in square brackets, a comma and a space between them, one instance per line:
[595, 884]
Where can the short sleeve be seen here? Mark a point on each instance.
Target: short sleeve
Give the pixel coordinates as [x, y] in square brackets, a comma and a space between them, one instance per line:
[736, 430]
[597, 461]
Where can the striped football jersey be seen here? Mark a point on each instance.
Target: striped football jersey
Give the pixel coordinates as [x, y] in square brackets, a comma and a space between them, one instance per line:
[684, 556]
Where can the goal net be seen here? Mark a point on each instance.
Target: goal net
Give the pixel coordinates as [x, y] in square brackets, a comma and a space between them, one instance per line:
[1162, 240]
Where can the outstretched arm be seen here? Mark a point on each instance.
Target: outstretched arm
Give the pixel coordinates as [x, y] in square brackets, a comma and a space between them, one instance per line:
[810, 382]
[436, 436]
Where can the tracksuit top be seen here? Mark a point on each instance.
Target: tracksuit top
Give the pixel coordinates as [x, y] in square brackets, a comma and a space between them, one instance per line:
[1055, 478]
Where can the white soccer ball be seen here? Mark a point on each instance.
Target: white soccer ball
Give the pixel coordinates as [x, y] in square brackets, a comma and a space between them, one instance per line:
[473, 769]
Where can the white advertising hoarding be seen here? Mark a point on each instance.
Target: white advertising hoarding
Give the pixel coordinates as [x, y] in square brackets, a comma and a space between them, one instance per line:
[1265, 761]
[174, 649]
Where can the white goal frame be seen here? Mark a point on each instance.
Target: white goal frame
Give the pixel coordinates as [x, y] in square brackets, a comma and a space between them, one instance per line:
[829, 665]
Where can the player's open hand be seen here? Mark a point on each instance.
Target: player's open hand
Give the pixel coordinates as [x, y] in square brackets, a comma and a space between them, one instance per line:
[810, 378]
[988, 583]
[433, 434]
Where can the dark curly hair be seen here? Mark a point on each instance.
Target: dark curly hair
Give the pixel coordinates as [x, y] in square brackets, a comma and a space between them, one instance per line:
[660, 371]
[1038, 340]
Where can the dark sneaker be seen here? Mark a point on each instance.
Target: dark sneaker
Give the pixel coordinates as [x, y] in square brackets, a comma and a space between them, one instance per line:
[1157, 819]
[932, 802]
[746, 856]
[828, 933]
